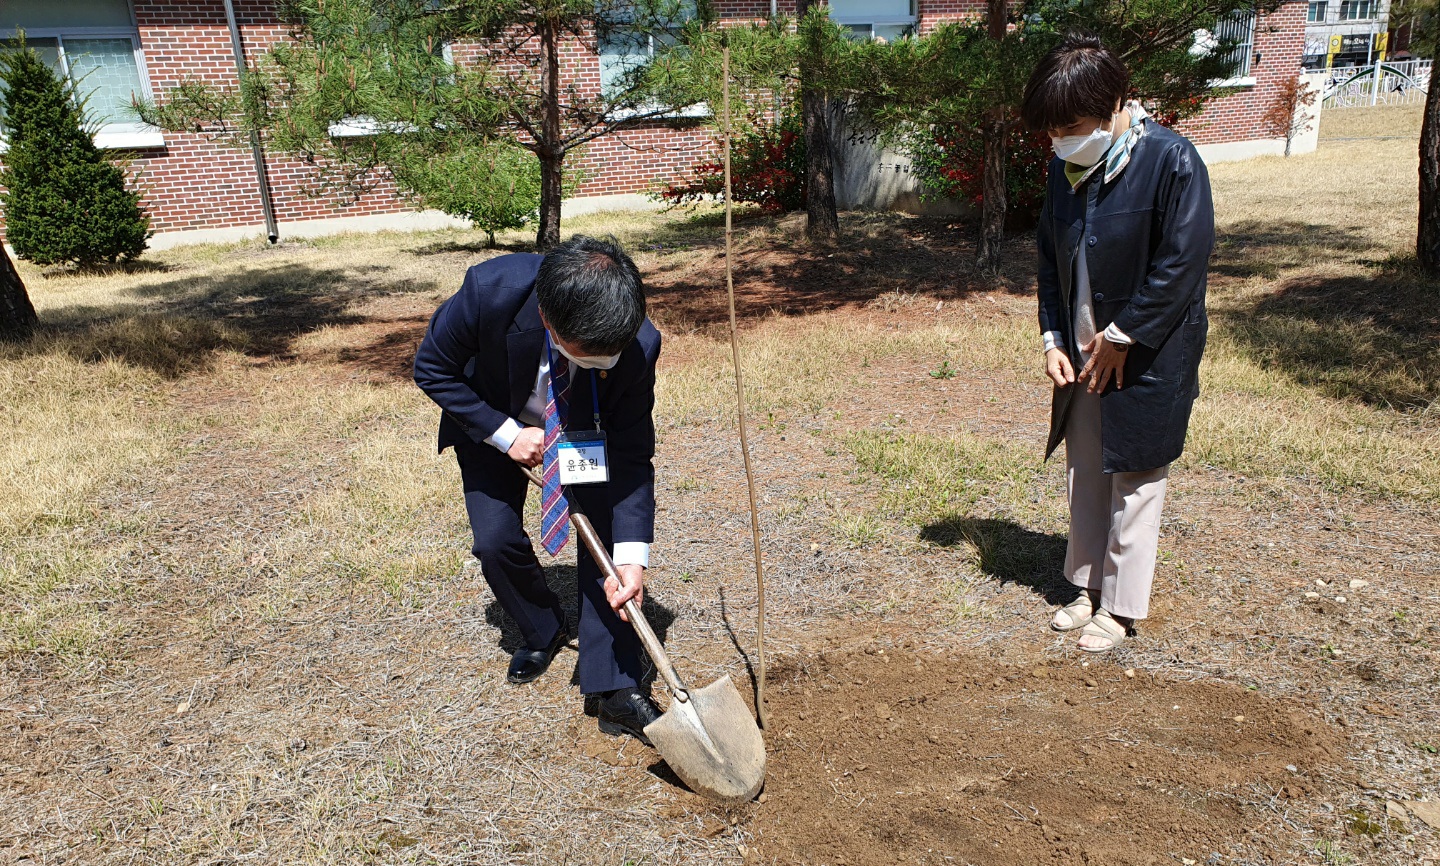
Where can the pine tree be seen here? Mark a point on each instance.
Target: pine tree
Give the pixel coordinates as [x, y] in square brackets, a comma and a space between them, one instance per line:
[64, 201]
[385, 67]
[967, 76]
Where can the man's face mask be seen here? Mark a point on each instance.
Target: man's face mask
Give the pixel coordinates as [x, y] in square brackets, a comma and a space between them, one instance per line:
[586, 362]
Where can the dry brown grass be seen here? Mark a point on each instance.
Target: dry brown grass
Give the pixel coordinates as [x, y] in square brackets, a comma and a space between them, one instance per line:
[1382, 121]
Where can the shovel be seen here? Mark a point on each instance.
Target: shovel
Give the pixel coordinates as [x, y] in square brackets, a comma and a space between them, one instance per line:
[707, 735]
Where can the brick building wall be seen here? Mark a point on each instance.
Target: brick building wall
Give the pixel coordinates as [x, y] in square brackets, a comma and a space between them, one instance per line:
[1279, 43]
[196, 183]
[933, 13]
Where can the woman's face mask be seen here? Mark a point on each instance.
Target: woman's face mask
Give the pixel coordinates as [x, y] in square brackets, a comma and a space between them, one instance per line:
[1085, 150]
[586, 362]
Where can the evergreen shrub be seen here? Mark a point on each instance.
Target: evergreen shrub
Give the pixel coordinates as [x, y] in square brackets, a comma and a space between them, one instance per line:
[65, 202]
[494, 184]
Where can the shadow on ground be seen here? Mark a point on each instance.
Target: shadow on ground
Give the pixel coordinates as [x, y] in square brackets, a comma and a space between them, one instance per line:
[258, 312]
[1261, 248]
[1360, 329]
[777, 272]
[563, 580]
[1008, 552]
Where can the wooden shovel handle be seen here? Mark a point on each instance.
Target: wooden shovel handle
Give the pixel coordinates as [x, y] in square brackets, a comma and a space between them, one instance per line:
[648, 638]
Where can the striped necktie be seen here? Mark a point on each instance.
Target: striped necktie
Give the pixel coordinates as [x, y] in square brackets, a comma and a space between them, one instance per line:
[554, 510]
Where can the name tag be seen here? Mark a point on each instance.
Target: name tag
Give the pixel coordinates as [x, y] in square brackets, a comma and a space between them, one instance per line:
[582, 458]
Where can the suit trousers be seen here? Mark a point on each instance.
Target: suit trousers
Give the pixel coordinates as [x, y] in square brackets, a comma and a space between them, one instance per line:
[1114, 518]
[495, 489]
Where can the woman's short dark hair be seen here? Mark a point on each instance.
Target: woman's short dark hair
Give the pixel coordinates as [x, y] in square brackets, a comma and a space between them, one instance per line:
[1077, 78]
[591, 294]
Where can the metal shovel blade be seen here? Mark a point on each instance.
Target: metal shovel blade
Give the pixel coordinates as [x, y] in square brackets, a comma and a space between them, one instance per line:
[712, 743]
[707, 736]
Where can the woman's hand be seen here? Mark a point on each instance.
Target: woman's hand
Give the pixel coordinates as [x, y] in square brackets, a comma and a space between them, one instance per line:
[1059, 368]
[631, 585]
[1105, 359]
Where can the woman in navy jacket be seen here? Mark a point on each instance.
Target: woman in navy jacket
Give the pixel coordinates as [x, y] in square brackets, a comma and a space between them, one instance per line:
[1124, 242]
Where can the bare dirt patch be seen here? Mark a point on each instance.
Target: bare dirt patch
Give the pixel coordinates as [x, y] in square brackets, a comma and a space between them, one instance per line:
[900, 757]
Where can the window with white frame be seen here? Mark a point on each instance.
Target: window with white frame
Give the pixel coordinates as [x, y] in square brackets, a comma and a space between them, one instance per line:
[1316, 15]
[1356, 10]
[95, 44]
[624, 50]
[887, 20]
[1238, 30]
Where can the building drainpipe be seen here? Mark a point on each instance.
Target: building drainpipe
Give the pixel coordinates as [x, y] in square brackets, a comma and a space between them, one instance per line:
[272, 229]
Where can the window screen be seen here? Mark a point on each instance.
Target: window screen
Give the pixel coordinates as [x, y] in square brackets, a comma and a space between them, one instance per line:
[94, 42]
[1238, 30]
[872, 10]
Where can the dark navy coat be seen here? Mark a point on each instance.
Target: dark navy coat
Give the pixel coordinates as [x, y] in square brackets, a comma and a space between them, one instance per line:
[479, 360]
[1148, 235]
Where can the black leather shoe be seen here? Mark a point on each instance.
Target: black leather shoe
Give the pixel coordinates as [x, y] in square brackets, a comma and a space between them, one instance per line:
[528, 664]
[627, 711]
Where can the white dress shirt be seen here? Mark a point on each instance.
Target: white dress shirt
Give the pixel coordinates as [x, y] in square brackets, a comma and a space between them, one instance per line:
[533, 415]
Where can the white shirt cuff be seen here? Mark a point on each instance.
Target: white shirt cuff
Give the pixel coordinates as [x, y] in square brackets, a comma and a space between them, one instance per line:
[504, 437]
[1053, 340]
[1117, 336]
[632, 553]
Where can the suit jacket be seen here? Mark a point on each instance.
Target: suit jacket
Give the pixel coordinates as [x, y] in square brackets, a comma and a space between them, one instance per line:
[1148, 235]
[479, 360]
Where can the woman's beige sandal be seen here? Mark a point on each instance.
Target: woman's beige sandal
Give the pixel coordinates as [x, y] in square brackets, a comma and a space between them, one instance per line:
[1106, 627]
[1075, 614]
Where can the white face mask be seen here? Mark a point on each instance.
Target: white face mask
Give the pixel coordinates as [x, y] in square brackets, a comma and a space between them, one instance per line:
[587, 362]
[1085, 150]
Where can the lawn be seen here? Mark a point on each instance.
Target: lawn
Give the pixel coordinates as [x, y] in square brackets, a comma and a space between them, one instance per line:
[237, 619]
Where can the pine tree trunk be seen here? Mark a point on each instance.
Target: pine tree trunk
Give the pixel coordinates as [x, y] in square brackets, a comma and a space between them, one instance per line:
[552, 192]
[822, 222]
[550, 149]
[993, 205]
[17, 315]
[1427, 242]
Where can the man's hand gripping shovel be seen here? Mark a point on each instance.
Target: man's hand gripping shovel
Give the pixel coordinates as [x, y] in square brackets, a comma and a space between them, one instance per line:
[707, 735]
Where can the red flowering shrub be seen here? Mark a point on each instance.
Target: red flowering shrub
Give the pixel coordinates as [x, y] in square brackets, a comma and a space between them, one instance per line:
[767, 168]
[951, 162]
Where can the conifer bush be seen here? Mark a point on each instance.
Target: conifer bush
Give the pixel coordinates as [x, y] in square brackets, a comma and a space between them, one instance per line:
[65, 202]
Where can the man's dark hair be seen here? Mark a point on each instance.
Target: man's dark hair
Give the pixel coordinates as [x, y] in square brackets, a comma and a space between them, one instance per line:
[1077, 78]
[591, 294]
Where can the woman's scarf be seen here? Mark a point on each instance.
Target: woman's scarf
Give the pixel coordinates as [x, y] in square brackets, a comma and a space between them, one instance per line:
[1119, 154]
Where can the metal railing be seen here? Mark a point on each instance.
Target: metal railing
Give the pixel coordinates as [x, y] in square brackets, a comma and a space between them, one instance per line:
[1402, 83]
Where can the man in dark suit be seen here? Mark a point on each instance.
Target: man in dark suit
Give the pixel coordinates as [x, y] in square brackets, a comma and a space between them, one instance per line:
[532, 353]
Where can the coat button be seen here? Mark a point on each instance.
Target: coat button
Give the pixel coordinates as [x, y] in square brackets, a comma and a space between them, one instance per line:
[1093, 240]
[1099, 296]
[602, 374]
